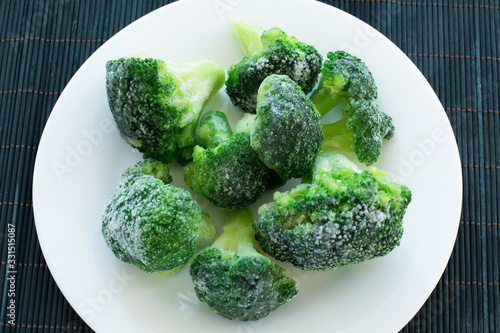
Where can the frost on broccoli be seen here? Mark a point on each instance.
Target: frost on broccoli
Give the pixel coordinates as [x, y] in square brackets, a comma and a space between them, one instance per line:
[236, 281]
[273, 53]
[227, 171]
[150, 223]
[341, 217]
[156, 105]
[286, 132]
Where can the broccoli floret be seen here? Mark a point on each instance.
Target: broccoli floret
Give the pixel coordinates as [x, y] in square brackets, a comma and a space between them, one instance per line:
[150, 224]
[343, 76]
[227, 171]
[234, 279]
[286, 132]
[361, 130]
[156, 105]
[342, 217]
[273, 53]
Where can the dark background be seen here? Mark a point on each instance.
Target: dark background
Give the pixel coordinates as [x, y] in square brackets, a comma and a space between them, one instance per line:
[455, 44]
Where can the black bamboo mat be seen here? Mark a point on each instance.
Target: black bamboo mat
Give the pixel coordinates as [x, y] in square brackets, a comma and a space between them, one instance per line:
[456, 45]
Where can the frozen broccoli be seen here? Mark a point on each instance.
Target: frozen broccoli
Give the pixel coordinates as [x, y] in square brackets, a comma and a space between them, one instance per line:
[345, 78]
[268, 52]
[152, 224]
[227, 170]
[156, 105]
[340, 217]
[234, 279]
[361, 130]
[286, 132]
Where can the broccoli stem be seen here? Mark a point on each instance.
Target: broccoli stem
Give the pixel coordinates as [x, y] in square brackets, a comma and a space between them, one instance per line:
[325, 99]
[198, 82]
[245, 124]
[237, 234]
[334, 160]
[248, 34]
[327, 162]
[208, 232]
[337, 136]
[213, 130]
[171, 272]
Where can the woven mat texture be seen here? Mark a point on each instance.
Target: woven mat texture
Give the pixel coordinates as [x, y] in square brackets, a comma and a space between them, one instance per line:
[455, 44]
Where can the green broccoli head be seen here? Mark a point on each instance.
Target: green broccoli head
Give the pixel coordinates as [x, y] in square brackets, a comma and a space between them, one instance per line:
[227, 171]
[287, 131]
[156, 105]
[342, 217]
[343, 76]
[361, 130]
[230, 175]
[234, 279]
[150, 224]
[276, 53]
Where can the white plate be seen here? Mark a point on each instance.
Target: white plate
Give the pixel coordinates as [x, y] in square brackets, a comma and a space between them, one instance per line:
[81, 157]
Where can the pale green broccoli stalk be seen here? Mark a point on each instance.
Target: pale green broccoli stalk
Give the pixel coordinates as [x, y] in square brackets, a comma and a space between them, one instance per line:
[268, 52]
[326, 163]
[227, 171]
[151, 224]
[235, 280]
[248, 33]
[156, 105]
[286, 132]
[208, 232]
[342, 217]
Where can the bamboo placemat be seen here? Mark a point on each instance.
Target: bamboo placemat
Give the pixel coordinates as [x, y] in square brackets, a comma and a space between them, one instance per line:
[456, 45]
